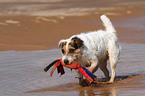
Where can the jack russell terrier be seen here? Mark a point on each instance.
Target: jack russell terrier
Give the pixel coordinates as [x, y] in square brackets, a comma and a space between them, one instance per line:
[93, 49]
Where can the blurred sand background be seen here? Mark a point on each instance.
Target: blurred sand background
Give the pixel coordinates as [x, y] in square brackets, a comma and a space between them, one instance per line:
[40, 24]
[31, 29]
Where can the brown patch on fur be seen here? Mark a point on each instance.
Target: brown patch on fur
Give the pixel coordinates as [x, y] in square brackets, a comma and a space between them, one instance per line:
[61, 45]
[63, 49]
[71, 50]
[77, 42]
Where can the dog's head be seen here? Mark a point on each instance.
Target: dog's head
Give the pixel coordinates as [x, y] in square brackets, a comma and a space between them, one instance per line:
[70, 49]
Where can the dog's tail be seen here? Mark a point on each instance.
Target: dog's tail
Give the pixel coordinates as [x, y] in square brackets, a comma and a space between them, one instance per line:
[107, 23]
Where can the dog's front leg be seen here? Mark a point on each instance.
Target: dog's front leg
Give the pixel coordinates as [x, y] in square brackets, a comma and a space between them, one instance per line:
[94, 66]
[80, 76]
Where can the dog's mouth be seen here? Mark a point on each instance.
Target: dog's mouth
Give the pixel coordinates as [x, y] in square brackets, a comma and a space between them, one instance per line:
[67, 62]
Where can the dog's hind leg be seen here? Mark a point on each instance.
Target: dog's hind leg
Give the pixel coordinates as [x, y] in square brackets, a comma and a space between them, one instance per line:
[113, 66]
[103, 66]
[113, 58]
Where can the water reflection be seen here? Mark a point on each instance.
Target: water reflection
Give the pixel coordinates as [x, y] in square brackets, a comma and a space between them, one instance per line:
[101, 91]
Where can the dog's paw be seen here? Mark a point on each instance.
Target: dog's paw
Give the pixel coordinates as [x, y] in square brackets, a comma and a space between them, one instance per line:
[84, 83]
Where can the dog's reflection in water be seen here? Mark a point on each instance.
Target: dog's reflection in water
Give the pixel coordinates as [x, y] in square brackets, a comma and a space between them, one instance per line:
[98, 91]
[74, 88]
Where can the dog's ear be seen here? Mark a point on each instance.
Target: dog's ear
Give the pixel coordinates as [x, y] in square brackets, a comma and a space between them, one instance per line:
[77, 42]
[61, 43]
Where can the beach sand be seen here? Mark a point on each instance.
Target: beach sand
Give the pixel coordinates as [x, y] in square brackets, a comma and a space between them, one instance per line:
[30, 31]
[40, 25]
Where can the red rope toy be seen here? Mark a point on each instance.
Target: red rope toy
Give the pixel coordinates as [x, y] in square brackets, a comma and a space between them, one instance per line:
[59, 65]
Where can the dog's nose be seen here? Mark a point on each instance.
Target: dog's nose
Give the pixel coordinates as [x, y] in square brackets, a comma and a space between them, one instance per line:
[66, 61]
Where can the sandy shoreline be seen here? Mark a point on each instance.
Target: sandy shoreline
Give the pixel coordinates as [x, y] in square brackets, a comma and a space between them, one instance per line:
[28, 32]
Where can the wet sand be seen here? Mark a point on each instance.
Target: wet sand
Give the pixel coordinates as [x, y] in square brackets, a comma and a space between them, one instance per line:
[22, 74]
[31, 30]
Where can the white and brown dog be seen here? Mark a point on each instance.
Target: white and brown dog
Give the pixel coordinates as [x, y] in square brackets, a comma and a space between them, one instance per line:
[93, 49]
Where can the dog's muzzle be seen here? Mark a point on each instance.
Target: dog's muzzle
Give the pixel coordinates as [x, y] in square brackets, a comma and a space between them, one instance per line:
[66, 61]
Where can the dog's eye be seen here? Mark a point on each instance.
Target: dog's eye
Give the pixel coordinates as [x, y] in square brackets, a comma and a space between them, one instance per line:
[63, 51]
[71, 50]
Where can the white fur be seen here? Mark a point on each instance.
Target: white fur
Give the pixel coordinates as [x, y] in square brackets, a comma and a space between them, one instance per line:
[97, 47]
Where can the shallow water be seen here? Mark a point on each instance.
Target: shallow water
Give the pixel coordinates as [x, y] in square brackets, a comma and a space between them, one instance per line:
[22, 71]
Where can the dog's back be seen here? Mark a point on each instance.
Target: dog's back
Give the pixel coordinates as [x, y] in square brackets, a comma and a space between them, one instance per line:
[95, 40]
